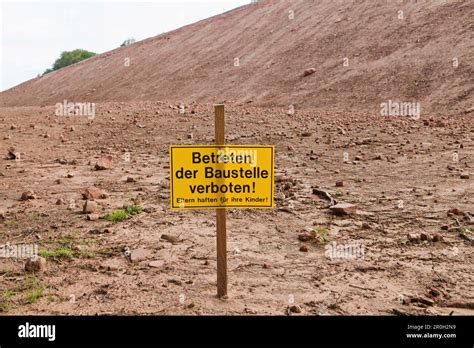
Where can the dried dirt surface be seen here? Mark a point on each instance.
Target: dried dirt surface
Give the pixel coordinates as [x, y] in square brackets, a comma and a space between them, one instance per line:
[411, 182]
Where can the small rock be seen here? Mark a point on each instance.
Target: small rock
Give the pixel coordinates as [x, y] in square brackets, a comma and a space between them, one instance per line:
[99, 231]
[413, 237]
[90, 207]
[378, 157]
[424, 300]
[156, 264]
[455, 211]
[305, 237]
[339, 183]
[304, 248]
[139, 255]
[175, 281]
[424, 236]
[309, 71]
[27, 195]
[93, 217]
[295, 309]
[343, 209]
[131, 179]
[2, 216]
[435, 293]
[36, 264]
[464, 176]
[171, 239]
[12, 154]
[92, 193]
[437, 237]
[112, 265]
[406, 300]
[236, 251]
[104, 163]
[60, 201]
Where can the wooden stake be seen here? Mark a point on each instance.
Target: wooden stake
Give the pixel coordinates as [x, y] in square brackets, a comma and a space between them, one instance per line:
[221, 212]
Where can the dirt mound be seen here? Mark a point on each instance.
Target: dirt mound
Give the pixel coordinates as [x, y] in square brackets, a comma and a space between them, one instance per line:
[259, 54]
[406, 246]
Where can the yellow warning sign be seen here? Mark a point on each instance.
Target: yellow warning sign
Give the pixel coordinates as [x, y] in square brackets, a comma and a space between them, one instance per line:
[227, 176]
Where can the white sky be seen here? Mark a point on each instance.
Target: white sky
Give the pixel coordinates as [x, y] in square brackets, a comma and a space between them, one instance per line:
[34, 33]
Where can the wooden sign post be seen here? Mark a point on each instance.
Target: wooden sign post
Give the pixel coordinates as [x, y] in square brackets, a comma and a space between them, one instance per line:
[219, 122]
[218, 177]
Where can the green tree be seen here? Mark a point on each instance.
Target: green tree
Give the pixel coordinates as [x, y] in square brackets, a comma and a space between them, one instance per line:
[68, 58]
[128, 42]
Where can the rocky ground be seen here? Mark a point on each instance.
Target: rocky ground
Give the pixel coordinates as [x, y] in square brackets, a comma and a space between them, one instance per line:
[408, 183]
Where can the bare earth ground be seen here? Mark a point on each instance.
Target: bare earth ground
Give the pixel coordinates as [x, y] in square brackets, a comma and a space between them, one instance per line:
[267, 270]
[388, 58]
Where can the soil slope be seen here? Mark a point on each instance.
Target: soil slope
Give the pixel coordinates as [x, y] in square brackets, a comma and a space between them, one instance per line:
[408, 59]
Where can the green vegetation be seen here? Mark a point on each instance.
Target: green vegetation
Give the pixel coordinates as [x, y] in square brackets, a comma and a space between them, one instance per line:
[7, 295]
[106, 252]
[9, 223]
[34, 290]
[320, 235]
[62, 249]
[5, 304]
[116, 215]
[4, 307]
[28, 293]
[59, 252]
[124, 213]
[133, 209]
[35, 216]
[404, 241]
[33, 295]
[128, 42]
[68, 247]
[68, 58]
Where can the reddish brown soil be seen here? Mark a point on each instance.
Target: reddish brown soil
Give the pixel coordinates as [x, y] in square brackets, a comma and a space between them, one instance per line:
[267, 270]
[408, 59]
